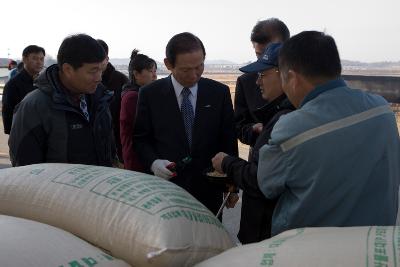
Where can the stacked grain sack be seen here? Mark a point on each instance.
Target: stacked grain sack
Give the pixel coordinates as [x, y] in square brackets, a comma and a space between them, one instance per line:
[398, 210]
[315, 247]
[26, 243]
[139, 218]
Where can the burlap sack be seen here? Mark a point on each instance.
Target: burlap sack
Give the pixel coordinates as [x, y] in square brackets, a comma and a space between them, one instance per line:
[139, 218]
[316, 247]
[26, 243]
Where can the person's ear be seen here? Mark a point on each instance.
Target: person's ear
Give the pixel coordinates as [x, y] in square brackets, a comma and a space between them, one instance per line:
[168, 64]
[297, 79]
[300, 81]
[135, 74]
[292, 76]
[24, 59]
[67, 69]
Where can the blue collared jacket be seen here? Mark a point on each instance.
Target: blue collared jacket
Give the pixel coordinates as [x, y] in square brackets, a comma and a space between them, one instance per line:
[333, 162]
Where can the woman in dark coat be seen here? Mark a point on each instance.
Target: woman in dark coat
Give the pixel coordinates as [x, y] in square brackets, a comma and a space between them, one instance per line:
[142, 71]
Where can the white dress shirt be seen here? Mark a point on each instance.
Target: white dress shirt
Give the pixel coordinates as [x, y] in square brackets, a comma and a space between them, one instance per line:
[178, 90]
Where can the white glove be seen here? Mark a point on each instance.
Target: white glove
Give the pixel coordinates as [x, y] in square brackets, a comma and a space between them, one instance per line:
[159, 168]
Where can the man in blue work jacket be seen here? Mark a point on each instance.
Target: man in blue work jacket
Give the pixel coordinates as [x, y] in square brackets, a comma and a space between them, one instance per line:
[335, 160]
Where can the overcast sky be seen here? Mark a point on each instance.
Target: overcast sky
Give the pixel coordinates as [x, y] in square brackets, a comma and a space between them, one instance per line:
[365, 30]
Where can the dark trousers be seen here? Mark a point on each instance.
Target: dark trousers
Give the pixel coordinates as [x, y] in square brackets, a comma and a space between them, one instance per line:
[255, 219]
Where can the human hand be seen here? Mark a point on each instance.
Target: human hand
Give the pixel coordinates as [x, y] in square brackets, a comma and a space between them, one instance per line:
[257, 127]
[159, 168]
[217, 161]
[117, 164]
[232, 200]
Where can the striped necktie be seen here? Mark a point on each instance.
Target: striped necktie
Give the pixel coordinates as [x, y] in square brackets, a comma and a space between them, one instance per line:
[83, 107]
[187, 114]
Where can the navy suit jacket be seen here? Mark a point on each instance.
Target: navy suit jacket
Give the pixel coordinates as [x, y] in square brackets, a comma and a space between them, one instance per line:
[248, 99]
[160, 133]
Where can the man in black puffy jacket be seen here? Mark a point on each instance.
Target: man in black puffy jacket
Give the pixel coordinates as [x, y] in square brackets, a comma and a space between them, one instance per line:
[67, 119]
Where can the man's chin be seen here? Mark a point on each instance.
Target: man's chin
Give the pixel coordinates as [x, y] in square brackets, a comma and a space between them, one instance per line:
[91, 90]
[190, 84]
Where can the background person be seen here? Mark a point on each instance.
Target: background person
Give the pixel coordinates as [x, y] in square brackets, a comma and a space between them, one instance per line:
[247, 94]
[185, 115]
[18, 87]
[67, 119]
[142, 71]
[113, 80]
[335, 160]
[12, 66]
[15, 71]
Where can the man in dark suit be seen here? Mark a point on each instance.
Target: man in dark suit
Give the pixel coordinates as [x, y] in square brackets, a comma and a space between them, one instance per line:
[185, 115]
[247, 94]
[248, 100]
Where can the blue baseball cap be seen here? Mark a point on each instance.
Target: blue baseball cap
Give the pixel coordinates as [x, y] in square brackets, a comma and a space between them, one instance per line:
[268, 60]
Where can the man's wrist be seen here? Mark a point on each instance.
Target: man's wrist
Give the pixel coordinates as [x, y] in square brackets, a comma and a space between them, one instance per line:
[224, 163]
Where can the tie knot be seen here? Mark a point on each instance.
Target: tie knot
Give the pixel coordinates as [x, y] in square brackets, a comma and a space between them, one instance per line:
[185, 91]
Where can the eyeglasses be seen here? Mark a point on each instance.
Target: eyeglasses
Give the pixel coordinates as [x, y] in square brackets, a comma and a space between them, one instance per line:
[261, 75]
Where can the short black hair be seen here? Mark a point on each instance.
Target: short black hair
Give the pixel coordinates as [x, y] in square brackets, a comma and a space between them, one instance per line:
[182, 43]
[79, 49]
[139, 62]
[267, 30]
[32, 49]
[104, 45]
[311, 53]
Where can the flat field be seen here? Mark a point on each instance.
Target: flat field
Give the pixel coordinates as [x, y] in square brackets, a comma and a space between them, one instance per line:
[230, 80]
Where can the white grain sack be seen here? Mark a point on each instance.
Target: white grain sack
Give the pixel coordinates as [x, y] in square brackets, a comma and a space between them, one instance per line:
[26, 243]
[139, 218]
[316, 247]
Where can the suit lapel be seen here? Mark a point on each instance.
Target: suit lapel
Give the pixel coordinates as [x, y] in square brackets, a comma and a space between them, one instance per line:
[200, 119]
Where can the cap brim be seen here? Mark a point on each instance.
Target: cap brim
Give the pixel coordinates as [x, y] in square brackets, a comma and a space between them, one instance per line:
[255, 67]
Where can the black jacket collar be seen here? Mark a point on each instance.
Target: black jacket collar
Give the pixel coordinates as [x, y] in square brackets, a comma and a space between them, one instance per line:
[107, 74]
[25, 76]
[266, 112]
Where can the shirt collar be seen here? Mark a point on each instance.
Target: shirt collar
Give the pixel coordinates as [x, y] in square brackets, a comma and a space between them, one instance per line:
[332, 84]
[179, 87]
